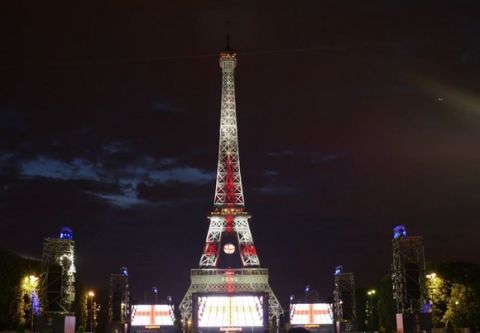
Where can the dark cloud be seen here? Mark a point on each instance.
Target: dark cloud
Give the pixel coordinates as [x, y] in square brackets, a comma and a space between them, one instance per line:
[162, 107]
[273, 190]
[125, 174]
[55, 169]
[14, 121]
[174, 191]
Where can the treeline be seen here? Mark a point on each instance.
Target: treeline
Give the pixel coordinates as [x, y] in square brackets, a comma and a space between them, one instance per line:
[453, 288]
[455, 292]
[13, 268]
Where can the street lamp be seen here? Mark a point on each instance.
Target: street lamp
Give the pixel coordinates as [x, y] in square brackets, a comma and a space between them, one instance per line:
[29, 287]
[431, 281]
[432, 284]
[370, 293]
[30, 283]
[91, 295]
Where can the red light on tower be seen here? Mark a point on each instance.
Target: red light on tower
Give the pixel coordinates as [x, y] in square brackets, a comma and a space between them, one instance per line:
[249, 250]
[230, 280]
[210, 249]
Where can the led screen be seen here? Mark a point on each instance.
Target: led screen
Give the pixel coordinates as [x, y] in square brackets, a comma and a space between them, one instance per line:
[152, 315]
[230, 311]
[311, 314]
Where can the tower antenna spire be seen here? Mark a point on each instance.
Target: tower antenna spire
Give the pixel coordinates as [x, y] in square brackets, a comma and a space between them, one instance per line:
[227, 47]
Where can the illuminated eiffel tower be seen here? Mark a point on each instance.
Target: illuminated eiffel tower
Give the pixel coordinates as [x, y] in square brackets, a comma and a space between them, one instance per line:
[229, 264]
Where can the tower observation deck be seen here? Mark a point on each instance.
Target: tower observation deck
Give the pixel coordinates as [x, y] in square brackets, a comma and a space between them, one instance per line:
[229, 287]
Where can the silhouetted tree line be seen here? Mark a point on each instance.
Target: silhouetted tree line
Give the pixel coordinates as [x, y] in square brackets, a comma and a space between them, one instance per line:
[454, 291]
[455, 294]
[12, 269]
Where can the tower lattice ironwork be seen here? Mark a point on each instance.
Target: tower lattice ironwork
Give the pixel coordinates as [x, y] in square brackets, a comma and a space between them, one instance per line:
[229, 262]
[229, 214]
[228, 189]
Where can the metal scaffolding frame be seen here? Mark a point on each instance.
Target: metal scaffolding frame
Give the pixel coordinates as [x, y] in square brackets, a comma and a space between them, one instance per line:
[58, 253]
[344, 293]
[118, 296]
[408, 274]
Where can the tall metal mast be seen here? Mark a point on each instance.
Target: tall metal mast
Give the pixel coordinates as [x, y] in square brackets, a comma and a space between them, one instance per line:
[229, 214]
[229, 262]
[228, 189]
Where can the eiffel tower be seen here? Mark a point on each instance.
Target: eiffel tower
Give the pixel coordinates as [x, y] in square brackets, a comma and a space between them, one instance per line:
[229, 263]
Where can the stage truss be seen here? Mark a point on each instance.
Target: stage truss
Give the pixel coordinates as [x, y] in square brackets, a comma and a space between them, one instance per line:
[60, 253]
[408, 274]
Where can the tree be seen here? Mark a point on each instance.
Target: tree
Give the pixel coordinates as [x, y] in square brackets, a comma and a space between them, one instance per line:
[14, 269]
[386, 305]
[456, 303]
[80, 305]
[455, 292]
[361, 305]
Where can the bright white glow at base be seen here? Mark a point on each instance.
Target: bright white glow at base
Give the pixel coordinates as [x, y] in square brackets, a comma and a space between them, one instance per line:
[230, 311]
[152, 314]
[311, 314]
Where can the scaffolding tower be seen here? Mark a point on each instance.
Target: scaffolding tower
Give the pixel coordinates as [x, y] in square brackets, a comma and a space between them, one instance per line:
[58, 273]
[119, 302]
[344, 305]
[408, 272]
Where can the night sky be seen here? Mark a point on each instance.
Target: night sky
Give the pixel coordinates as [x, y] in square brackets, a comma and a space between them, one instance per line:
[354, 116]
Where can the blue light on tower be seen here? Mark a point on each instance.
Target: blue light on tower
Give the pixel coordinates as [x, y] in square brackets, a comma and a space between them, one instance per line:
[66, 233]
[399, 231]
[124, 271]
[338, 270]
